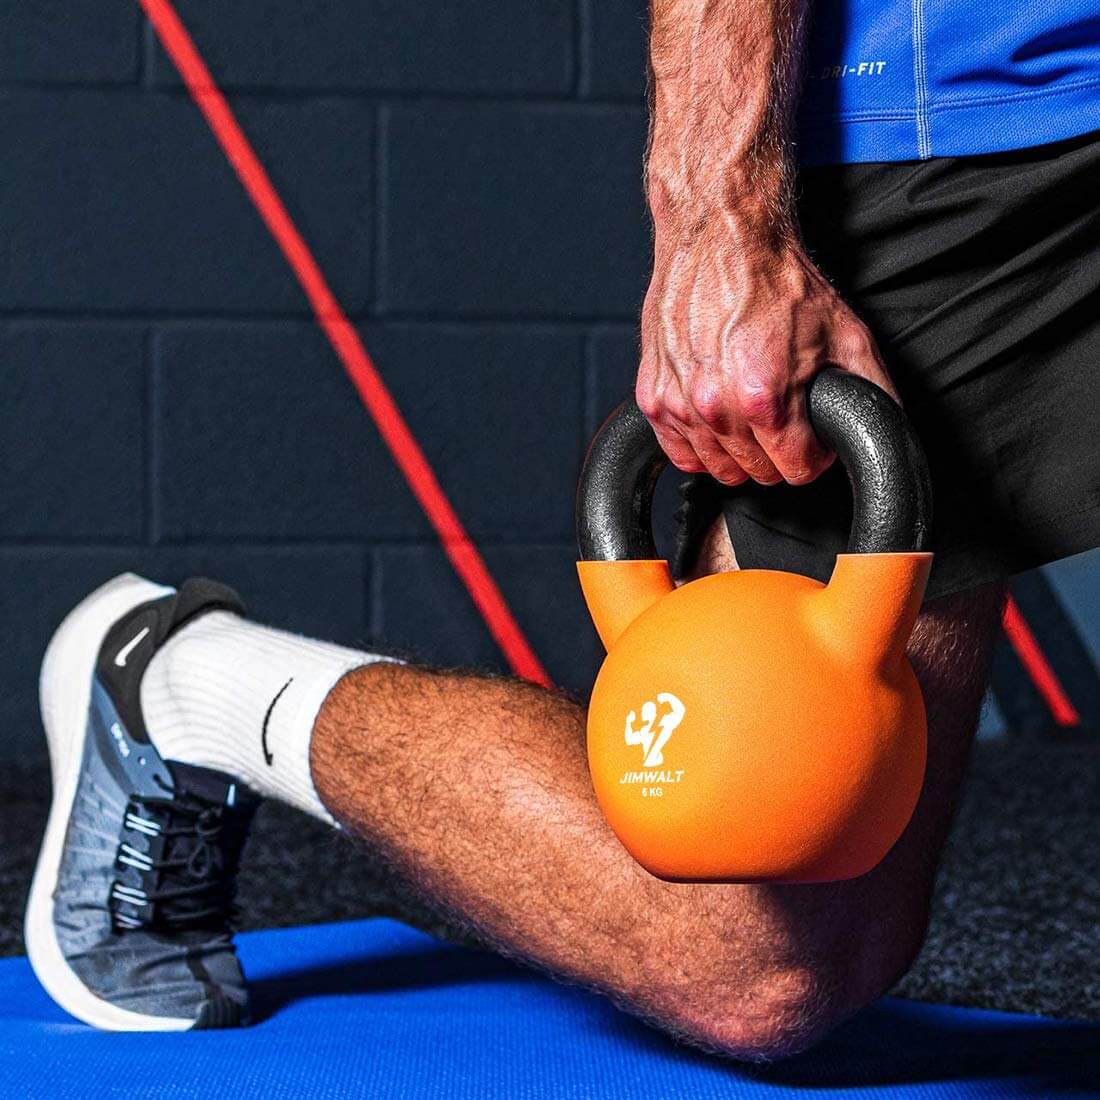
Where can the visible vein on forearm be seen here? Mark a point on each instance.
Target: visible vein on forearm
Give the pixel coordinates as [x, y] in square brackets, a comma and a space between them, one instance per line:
[723, 87]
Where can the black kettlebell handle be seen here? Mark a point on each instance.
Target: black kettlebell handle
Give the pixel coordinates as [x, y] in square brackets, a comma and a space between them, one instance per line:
[866, 428]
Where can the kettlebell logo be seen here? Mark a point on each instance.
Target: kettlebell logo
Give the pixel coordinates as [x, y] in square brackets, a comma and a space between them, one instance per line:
[659, 721]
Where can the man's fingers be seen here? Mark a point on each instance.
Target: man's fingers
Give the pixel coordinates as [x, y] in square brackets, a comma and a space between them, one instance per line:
[697, 451]
[854, 350]
[722, 427]
[679, 451]
[737, 432]
[744, 450]
[795, 451]
[658, 409]
[720, 464]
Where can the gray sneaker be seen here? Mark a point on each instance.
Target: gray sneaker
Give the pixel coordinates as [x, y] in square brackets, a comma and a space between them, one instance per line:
[128, 922]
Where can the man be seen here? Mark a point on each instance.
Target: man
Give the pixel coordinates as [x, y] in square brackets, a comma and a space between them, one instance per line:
[169, 714]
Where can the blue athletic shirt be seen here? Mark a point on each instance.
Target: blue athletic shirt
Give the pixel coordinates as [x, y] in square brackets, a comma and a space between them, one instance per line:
[911, 79]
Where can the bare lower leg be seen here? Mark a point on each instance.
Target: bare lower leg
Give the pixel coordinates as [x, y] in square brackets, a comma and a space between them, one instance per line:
[478, 790]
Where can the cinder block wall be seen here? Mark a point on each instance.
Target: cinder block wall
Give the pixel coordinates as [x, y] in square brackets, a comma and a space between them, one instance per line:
[468, 174]
[469, 177]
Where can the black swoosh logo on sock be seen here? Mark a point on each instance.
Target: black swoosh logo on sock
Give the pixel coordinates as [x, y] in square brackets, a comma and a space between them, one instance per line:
[269, 757]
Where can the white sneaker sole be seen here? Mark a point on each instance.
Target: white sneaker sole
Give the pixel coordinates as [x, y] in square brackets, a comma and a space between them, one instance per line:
[64, 690]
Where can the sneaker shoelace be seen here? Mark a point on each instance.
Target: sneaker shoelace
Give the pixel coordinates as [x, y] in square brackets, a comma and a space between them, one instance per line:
[185, 851]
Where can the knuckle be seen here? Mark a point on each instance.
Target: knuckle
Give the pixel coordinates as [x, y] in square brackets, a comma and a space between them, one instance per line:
[739, 471]
[679, 453]
[768, 477]
[854, 340]
[672, 443]
[762, 471]
[645, 388]
[800, 460]
[721, 466]
[680, 460]
[764, 409]
[800, 475]
[649, 403]
[677, 409]
[713, 408]
[763, 401]
[730, 474]
[751, 463]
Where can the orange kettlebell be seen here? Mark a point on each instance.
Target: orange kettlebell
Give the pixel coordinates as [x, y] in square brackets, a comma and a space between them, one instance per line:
[759, 726]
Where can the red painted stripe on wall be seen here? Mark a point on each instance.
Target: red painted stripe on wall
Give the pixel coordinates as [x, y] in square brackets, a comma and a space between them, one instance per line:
[1035, 662]
[411, 460]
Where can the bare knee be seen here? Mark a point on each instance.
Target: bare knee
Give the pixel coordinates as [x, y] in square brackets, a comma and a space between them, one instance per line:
[742, 1008]
[780, 1014]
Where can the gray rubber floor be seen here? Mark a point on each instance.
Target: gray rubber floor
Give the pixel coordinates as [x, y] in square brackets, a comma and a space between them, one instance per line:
[1017, 915]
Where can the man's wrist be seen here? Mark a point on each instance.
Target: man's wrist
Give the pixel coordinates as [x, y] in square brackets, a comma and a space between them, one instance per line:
[749, 203]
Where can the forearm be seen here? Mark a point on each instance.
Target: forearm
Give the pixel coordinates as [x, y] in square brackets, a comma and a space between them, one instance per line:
[724, 85]
[737, 319]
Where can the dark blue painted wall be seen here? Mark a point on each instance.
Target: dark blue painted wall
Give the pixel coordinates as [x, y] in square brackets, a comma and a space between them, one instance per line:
[468, 174]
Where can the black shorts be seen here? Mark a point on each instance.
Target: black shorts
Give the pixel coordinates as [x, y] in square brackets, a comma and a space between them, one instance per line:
[980, 279]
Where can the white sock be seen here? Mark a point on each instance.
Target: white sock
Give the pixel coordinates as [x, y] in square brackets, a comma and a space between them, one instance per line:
[228, 694]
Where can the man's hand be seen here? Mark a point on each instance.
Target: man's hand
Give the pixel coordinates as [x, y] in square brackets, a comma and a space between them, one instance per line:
[737, 319]
[731, 334]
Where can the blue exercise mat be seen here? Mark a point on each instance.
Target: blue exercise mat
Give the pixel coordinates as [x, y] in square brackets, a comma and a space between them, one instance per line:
[375, 1009]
